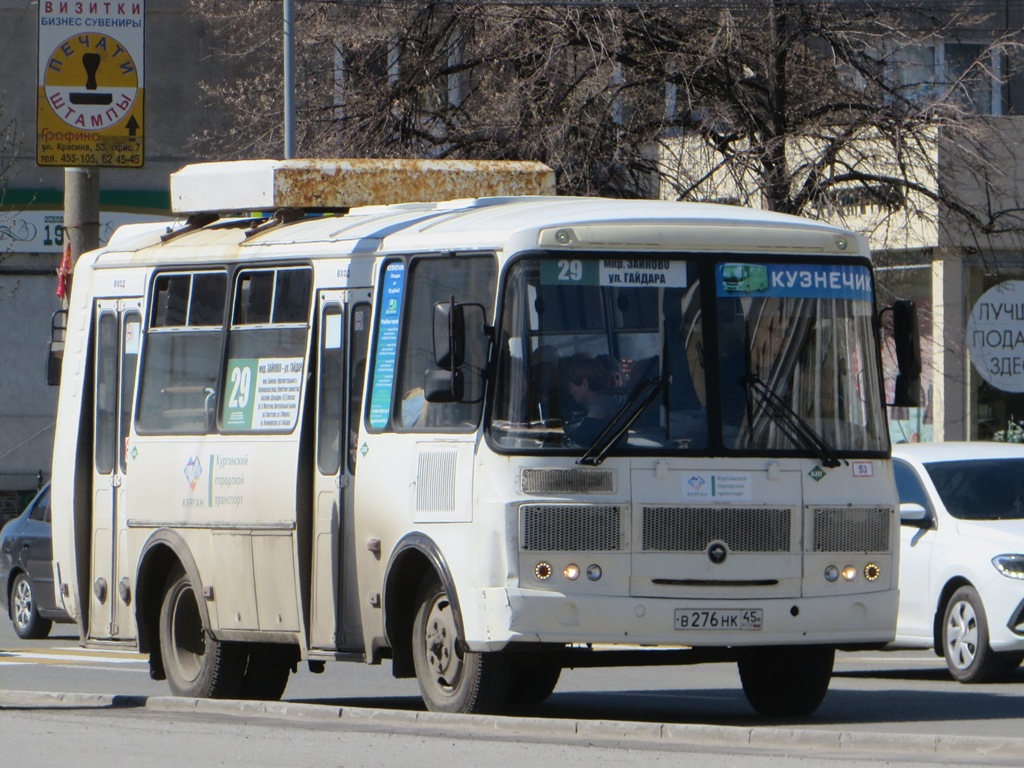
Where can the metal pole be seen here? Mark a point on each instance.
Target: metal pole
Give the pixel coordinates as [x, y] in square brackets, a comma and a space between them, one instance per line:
[82, 209]
[289, 78]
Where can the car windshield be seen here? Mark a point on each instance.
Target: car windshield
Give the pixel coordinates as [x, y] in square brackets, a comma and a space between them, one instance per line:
[980, 489]
[687, 354]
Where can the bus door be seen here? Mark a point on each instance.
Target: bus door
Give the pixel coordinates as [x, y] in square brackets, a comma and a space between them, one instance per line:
[118, 324]
[343, 330]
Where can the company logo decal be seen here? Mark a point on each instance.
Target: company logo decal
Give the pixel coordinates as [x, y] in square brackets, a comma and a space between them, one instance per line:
[717, 552]
[193, 471]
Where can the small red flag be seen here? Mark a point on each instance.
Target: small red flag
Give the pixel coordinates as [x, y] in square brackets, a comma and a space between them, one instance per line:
[63, 271]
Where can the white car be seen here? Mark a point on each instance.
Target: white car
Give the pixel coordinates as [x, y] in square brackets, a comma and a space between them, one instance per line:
[962, 554]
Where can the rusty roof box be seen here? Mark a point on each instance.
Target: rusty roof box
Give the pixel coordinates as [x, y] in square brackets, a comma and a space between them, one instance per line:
[338, 184]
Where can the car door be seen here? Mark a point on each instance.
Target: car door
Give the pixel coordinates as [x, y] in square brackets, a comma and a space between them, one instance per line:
[917, 601]
[36, 551]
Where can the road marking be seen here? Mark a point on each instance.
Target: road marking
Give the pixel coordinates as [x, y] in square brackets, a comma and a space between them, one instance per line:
[70, 656]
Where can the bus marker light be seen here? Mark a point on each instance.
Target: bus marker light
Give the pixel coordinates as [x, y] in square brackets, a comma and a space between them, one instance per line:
[872, 571]
[542, 571]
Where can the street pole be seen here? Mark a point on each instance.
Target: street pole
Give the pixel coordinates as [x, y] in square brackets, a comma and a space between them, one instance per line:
[289, 78]
[82, 210]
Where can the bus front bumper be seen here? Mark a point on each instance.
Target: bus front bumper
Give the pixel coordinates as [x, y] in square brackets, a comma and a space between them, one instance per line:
[502, 616]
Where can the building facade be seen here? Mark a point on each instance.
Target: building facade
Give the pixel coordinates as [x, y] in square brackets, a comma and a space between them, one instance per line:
[32, 237]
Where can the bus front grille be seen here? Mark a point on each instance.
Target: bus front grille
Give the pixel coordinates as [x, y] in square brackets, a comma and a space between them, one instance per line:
[692, 529]
[851, 529]
[571, 527]
[567, 481]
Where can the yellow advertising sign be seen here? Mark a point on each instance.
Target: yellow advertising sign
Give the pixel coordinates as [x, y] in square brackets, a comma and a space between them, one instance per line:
[91, 84]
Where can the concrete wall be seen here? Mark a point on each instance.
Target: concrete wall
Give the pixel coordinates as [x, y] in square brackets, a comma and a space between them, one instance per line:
[27, 405]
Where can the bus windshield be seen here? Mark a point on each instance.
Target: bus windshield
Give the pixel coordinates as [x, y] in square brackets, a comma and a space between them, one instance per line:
[687, 354]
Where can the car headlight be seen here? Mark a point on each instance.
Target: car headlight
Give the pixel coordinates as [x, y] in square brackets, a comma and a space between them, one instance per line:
[1011, 566]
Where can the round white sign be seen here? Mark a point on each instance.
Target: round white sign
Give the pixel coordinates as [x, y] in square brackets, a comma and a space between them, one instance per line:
[995, 336]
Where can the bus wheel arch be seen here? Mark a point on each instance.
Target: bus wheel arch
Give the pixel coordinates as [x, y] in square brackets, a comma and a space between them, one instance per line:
[164, 552]
[414, 559]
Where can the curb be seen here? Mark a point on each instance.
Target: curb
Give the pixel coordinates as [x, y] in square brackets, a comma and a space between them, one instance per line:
[668, 736]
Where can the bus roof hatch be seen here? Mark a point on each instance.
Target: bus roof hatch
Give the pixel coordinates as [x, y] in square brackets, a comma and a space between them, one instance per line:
[340, 184]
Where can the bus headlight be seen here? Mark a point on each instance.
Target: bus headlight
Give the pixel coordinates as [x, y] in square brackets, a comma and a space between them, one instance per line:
[831, 574]
[594, 572]
[849, 573]
[571, 572]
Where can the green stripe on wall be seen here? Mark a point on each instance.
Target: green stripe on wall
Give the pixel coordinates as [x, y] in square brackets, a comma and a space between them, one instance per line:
[111, 200]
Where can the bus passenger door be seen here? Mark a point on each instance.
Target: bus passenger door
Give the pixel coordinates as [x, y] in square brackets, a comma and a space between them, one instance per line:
[343, 329]
[118, 325]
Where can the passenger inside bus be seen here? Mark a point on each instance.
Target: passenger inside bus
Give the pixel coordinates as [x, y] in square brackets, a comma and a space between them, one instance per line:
[590, 388]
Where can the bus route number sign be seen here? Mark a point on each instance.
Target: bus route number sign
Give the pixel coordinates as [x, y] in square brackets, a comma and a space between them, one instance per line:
[750, 619]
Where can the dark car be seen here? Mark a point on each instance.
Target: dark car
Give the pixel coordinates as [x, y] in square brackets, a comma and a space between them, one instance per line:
[26, 570]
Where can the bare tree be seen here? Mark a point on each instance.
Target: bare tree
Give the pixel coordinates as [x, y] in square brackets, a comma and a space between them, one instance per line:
[820, 108]
[9, 143]
[8, 151]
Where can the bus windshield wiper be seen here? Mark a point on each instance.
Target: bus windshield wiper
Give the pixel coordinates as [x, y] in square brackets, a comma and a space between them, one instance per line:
[635, 404]
[789, 421]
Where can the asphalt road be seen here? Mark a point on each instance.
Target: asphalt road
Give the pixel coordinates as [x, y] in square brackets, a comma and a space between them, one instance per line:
[899, 706]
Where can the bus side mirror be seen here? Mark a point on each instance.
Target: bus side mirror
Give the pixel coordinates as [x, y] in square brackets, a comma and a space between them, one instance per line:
[449, 334]
[55, 357]
[460, 352]
[443, 386]
[906, 337]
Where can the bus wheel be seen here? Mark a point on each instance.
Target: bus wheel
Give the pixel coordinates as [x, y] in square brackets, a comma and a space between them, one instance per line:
[786, 681]
[532, 683]
[452, 679]
[197, 665]
[266, 675]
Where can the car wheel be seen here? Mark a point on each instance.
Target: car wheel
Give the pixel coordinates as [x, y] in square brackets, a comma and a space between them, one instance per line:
[786, 681]
[196, 664]
[965, 639]
[451, 678]
[1010, 660]
[28, 624]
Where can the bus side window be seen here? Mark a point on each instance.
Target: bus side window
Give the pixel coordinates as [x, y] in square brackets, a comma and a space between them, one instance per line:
[358, 343]
[181, 364]
[332, 369]
[470, 279]
[264, 377]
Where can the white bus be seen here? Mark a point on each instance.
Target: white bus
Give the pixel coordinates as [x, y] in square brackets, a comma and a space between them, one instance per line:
[487, 439]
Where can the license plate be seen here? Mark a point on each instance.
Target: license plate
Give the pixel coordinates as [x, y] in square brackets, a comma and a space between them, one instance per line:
[719, 618]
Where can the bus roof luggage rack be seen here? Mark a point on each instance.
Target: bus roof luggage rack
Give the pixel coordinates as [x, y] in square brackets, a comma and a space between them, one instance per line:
[336, 185]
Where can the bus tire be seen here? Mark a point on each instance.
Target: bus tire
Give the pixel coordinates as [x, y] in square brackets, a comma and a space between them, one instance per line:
[267, 672]
[28, 624]
[196, 664]
[786, 681]
[452, 679]
[532, 683]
